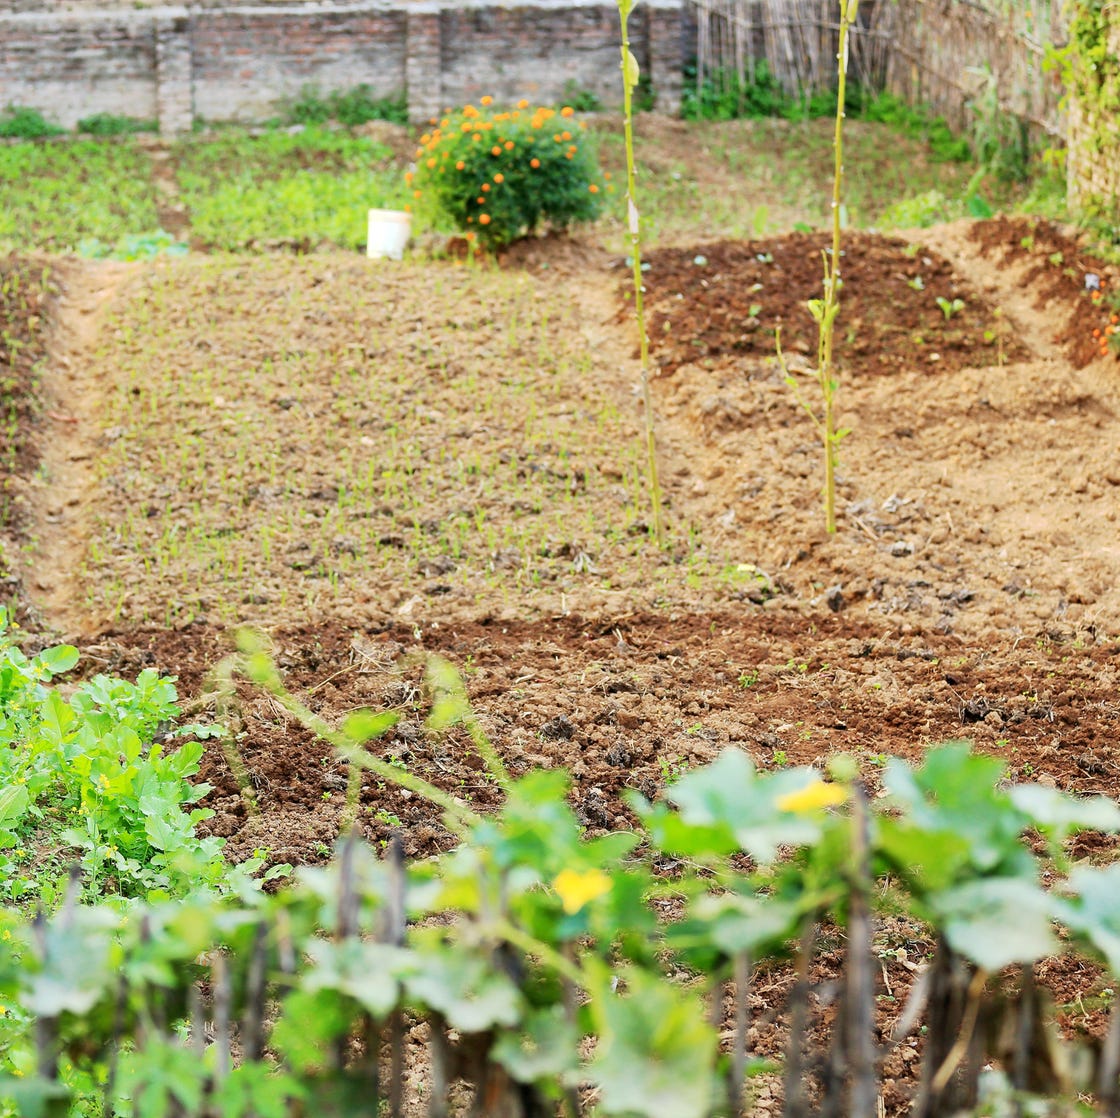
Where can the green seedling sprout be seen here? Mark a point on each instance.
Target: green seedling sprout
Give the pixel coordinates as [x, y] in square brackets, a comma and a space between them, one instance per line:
[949, 308]
[630, 76]
[826, 310]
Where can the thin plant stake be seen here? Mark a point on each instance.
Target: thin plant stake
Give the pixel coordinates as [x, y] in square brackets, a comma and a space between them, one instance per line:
[630, 75]
[825, 311]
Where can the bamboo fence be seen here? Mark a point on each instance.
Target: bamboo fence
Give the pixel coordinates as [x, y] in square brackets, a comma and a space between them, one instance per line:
[952, 55]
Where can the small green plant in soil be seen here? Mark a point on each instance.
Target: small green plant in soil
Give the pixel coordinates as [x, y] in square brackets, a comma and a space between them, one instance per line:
[497, 175]
[949, 307]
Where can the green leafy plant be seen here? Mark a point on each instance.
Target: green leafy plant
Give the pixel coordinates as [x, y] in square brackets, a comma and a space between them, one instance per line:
[497, 175]
[110, 124]
[86, 772]
[18, 122]
[351, 107]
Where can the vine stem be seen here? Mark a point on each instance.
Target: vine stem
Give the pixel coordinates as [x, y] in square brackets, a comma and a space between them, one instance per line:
[633, 220]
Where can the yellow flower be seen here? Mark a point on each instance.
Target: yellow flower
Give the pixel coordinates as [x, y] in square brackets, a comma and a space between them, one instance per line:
[813, 797]
[575, 889]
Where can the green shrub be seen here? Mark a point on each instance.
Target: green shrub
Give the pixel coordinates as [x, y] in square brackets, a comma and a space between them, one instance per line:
[498, 175]
[17, 122]
[109, 124]
[350, 107]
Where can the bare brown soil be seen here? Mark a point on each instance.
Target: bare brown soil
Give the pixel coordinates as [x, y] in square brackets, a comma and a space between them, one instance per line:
[973, 589]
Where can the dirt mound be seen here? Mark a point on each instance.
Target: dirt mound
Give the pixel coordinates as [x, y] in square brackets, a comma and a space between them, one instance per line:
[728, 300]
[1062, 274]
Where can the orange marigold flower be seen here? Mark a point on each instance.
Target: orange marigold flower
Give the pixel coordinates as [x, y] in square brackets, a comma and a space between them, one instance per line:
[445, 123]
[416, 194]
[408, 176]
[509, 145]
[470, 111]
[481, 200]
[557, 137]
[566, 135]
[471, 236]
[407, 208]
[607, 175]
[483, 219]
[465, 126]
[569, 155]
[419, 152]
[567, 110]
[593, 188]
[485, 186]
[460, 165]
[495, 150]
[486, 100]
[522, 104]
[432, 162]
[1096, 333]
[424, 139]
[498, 178]
[534, 163]
[477, 136]
[1115, 318]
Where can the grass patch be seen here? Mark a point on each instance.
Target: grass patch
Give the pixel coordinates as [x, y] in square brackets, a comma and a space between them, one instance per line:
[313, 187]
[770, 175]
[53, 196]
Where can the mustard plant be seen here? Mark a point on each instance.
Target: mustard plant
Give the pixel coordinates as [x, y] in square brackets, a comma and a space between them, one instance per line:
[826, 309]
[631, 75]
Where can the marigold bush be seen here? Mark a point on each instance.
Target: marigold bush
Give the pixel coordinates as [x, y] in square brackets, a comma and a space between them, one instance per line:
[497, 175]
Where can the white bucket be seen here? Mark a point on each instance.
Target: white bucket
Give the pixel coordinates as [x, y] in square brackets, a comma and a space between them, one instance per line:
[388, 233]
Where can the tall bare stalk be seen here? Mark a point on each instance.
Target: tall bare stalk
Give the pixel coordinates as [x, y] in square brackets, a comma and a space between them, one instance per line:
[630, 75]
[825, 310]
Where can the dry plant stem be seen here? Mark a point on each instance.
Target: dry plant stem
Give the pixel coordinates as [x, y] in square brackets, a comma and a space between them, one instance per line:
[459, 815]
[793, 1082]
[860, 990]
[825, 369]
[634, 226]
[1108, 1086]
[738, 1070]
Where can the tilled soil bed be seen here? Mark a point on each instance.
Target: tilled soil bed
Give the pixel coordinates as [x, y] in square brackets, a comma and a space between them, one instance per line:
[973, 590]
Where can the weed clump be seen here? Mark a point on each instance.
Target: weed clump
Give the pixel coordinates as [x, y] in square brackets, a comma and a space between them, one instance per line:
[497, 175]
[17, 122]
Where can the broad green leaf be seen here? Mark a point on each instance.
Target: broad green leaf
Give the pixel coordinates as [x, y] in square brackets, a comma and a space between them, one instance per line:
[1094, 910]
[930, 860]
[730, 792]
[59, 659]
[757, 925]
[472, 994]
[367, 972]
[14, 801]
[631, 71]
[34, 1097]
[546, 1046]
[1053, 810]
[655, 1051]
[995, 922]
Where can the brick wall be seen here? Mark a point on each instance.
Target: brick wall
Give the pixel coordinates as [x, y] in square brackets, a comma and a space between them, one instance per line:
[220, 60]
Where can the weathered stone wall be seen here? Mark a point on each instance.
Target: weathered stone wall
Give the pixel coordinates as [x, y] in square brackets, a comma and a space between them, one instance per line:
[218, 60]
